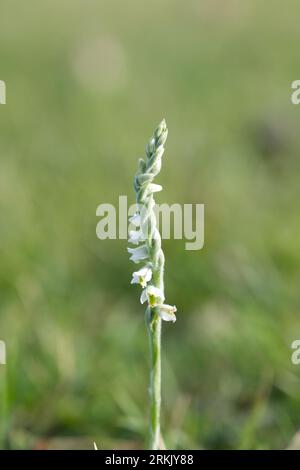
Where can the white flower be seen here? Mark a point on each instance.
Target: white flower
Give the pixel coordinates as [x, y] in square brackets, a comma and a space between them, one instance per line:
[136, 236]
[154, 188]
[135, 219]
[159, 152]
[154, 296]
[167, 312]
[142, 276]
[138, 254]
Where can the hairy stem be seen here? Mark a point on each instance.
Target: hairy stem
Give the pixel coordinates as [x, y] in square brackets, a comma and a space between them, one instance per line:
[151, 251]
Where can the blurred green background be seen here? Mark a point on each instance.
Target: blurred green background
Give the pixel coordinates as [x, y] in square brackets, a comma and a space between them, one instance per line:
[87, 82]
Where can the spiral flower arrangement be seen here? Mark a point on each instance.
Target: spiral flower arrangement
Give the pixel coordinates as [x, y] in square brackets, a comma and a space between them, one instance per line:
[150, 276]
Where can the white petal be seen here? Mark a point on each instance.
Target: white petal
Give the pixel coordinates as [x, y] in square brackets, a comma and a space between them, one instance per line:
[154, 188]
[160, 152]
[135, 237]
[138, 254]
[155, 296]
[135, 279]
[167, 316]
[142, 276]
[135, 219]
[143, 272]
[148, 275]
[135, 233]
[152, 290]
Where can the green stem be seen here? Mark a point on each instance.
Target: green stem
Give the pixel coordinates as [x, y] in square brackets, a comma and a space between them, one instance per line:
[154, 328]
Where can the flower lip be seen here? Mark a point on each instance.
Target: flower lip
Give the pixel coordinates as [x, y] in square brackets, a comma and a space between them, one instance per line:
[135, 219]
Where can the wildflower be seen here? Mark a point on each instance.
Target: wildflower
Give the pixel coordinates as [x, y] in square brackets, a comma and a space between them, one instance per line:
[136, 236]
[150, 251]
[139, 253]
[153, 295]
[167, 312]
[135, 219]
